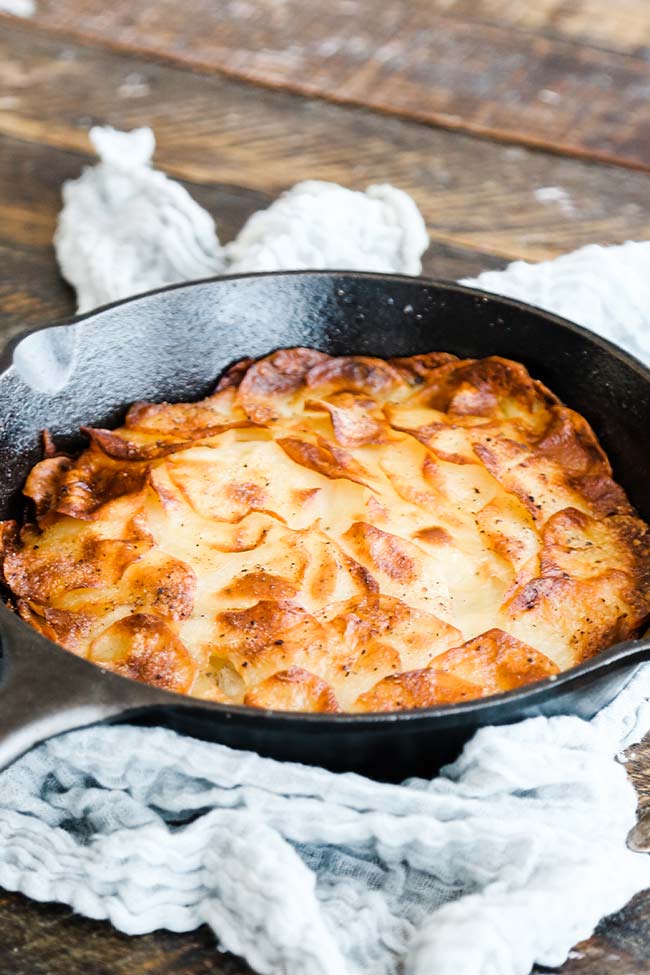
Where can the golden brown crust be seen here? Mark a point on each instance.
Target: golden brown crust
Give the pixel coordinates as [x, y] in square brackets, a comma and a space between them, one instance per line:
[269, 382]
[44, 482]
[93, 480]
[293, 690]
[356, 420]
[382, 552]
[336, 534]
[328, 460]
[417, 689]
[144, 648]
[496, 662]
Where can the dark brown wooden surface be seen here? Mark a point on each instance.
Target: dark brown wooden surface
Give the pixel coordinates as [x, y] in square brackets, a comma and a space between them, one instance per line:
[523, 85]
[622, 26]
[474, 194]
[558, 77]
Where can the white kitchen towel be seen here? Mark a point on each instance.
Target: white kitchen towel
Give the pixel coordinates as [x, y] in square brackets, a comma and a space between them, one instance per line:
[606, 289]
[507, 858]
[125, 228]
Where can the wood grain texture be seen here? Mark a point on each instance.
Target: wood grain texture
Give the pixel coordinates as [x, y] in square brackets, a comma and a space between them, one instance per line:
[48, 939]
[474, 195]
[623, 25]
[406, 59]
[31, 176]
[31, 291]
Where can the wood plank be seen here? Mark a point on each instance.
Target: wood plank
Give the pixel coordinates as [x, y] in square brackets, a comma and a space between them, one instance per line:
[399, 58]
[623, 25]
[31, 290]
[474, 195]
[48, 939]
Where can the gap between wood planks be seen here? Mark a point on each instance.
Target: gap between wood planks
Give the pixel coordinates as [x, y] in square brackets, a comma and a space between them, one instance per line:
[511, 203]
[32, 291]
[621, 27]
[407, 60]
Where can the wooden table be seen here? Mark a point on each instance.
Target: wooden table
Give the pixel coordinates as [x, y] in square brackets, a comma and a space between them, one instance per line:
[473, 106]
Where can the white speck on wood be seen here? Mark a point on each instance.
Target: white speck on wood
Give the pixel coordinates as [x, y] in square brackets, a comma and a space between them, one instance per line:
[513, 153]
[241, 10]
[134, 86]
[555, 194]
[19, 8]
[549, 97]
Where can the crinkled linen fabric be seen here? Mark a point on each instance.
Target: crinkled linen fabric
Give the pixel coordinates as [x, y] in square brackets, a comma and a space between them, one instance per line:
[127, 228]
[509, 857]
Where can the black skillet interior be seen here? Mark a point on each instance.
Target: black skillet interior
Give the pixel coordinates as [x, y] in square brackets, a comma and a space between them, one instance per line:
[173, 343]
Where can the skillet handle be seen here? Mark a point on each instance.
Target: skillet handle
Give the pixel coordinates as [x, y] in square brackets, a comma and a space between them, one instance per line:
[46, 691]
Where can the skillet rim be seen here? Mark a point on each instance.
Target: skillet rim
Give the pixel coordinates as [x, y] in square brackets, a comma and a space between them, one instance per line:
[604, 661]
[6, 353]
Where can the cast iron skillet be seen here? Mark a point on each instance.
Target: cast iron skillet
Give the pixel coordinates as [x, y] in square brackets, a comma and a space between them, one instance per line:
[172, 344]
